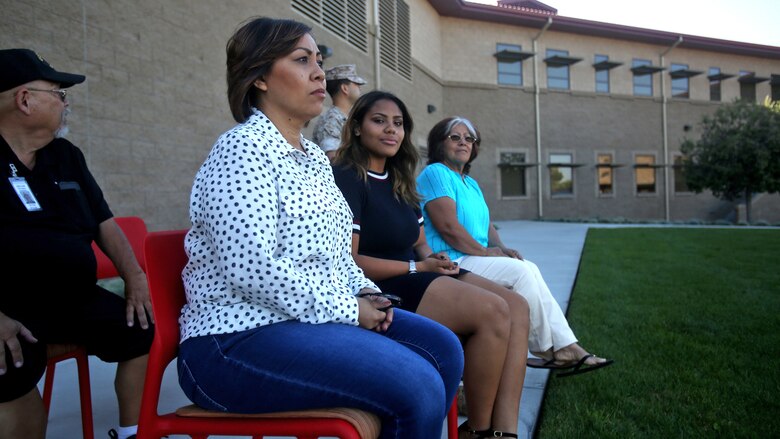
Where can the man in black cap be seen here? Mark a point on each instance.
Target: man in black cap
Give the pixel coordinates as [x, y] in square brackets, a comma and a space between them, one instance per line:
[51, 209]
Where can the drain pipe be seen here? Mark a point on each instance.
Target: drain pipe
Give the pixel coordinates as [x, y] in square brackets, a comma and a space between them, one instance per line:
[374, 30]
[664, 117]
[539, 191]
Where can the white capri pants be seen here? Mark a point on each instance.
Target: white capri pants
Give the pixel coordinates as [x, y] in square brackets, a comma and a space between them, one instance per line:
[549, 328]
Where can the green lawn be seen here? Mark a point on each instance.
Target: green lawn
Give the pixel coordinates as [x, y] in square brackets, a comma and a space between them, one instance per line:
[692, 319]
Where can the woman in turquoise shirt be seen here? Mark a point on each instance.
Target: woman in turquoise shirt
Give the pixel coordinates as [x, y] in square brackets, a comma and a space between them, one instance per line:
[457, 221]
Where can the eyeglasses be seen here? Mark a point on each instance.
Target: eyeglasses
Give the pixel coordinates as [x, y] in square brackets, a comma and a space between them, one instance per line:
[457, 137]
[63, 93]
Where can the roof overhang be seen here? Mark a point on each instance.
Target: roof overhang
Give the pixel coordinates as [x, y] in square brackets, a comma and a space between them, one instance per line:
[646, 70]
[560, 61]
[513, 55]
[751, 78]
[720, 76]
[684, 73]
[606, 65]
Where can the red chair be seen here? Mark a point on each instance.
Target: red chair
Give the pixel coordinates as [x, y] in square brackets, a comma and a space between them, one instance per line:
[134, 229]
[165, 259]
[452, 420]
[61, 352]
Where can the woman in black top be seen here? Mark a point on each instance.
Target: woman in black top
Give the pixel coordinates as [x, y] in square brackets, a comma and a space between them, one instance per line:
[375, 169]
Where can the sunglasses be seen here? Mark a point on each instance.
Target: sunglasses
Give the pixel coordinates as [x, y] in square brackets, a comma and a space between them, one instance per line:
[62, 93]
[457, 137]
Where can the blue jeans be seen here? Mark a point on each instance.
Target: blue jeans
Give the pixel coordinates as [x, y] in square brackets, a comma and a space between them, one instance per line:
[407, 376]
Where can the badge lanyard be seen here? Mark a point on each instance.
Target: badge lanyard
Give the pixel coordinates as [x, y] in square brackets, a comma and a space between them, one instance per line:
[23, 190]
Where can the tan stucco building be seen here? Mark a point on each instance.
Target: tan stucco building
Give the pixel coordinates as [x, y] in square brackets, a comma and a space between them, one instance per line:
[579, 119]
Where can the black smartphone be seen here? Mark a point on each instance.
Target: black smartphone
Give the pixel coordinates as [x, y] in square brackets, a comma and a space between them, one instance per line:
[394, 300]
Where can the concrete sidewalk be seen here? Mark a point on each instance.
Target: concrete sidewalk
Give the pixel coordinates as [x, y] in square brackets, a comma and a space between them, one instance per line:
[554, 247]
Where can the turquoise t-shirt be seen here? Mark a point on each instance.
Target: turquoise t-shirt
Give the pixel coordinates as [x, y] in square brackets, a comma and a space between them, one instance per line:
[437, 180]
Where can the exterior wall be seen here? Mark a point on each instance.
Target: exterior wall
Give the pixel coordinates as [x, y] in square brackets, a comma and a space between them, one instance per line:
[426, 36]
[154, 101]
[583, 123]
[155, 96]
[468, 47]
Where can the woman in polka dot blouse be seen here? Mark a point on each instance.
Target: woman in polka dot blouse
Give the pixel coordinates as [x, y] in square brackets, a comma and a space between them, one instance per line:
[275, 319]
[375, 170]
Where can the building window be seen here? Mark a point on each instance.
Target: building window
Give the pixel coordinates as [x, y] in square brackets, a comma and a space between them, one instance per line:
[395, 44]
[680, 182]
[680, 85]
[604, 171]
[557, 74]
[345, 18]
[602, 75]
[510, 64]
[512, 166]
[561, 182]
[643, 83]
[747, 88]
[774, 84]
[715, 78]
[645, 174]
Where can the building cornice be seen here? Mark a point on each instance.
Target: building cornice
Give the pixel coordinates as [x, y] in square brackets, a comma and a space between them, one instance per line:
[526, 17]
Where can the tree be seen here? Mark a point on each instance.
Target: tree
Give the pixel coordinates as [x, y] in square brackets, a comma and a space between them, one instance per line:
[738, 153]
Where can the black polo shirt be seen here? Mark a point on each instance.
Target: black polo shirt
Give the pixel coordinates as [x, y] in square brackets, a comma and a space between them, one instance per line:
[46, 257]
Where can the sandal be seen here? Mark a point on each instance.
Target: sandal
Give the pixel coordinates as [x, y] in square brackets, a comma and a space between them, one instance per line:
[476, 434]
[481, 434]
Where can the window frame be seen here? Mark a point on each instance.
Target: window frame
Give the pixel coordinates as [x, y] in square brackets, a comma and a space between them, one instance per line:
[715, 84]
[747, 87]
[602, 72]
[654, 169]
[499, 62]
[611, 169]
[499, 173]
[683, 85]
[550, 166]
[677, 159]
[638, 62]
[774, 87]
[556, 52]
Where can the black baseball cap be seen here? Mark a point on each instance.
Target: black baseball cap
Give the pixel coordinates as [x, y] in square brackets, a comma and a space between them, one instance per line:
[20, 66]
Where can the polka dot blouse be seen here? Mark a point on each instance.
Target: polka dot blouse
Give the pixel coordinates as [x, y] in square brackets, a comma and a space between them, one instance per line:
[271, 237]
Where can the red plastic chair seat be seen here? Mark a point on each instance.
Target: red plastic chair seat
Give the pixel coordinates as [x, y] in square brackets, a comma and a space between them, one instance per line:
[367, 424]
[165, 258]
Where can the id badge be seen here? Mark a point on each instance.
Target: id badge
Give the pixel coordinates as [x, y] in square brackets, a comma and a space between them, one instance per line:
[25, 194]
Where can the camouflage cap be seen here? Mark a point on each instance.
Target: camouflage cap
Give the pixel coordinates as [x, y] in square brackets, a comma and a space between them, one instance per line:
[344, 71]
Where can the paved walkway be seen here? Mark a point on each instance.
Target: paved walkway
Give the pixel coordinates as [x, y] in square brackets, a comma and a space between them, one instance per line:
[554, 247]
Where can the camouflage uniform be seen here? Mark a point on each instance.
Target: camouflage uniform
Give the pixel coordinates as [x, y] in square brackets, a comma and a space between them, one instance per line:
[327, 132]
